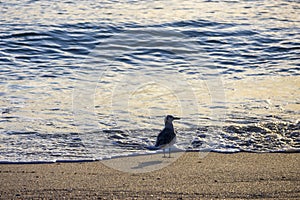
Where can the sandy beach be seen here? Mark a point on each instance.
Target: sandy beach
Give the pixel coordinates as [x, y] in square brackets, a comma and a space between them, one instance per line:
[216, 175]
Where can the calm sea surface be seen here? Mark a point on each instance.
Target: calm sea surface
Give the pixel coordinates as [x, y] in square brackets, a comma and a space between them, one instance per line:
[84, 80]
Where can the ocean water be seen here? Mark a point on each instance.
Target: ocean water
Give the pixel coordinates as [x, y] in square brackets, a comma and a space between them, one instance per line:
[85, 80]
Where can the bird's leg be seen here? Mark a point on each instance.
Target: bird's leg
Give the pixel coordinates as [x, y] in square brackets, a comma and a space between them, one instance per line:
[164, 153]
[169, 152]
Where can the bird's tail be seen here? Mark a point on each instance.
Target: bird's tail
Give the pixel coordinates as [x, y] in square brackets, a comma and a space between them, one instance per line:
[152, 148]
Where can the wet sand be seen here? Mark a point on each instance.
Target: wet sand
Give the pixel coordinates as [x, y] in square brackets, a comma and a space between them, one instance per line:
[191, 176]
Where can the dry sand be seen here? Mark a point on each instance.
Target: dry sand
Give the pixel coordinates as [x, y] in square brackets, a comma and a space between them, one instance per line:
[221, 176]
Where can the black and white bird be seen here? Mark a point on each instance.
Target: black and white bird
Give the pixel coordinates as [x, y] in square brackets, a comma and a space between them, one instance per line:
[167, 137]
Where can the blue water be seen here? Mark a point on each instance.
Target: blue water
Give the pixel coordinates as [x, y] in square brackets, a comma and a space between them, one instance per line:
[85, 80]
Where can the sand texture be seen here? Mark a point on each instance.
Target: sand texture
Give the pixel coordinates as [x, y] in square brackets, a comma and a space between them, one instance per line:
[185, 176]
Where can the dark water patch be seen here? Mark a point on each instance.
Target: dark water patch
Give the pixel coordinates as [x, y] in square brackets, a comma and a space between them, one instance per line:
[25, 35]
[77, 51]
[21, 133]
[23, 50]
[219, 33]
[212, 41]
[8, 117]
[267, 40]
[193, 23]
[277, 49]
[113, 131]
[5, 110]
[48, 76]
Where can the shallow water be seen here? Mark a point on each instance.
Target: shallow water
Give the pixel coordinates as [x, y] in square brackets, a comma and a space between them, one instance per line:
[82, 80]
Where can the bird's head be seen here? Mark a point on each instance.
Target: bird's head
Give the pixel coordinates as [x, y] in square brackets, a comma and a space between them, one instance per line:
[170, 119]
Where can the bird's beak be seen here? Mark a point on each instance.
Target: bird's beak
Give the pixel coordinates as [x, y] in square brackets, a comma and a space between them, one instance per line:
[176, 118]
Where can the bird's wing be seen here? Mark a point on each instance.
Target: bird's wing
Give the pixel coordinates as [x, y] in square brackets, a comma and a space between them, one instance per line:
[165, 137]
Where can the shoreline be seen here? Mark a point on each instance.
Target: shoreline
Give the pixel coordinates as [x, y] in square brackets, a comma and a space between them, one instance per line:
[189, 176]
[289, 151]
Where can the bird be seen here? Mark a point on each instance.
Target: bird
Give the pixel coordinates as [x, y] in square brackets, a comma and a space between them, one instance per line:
[167, 137]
